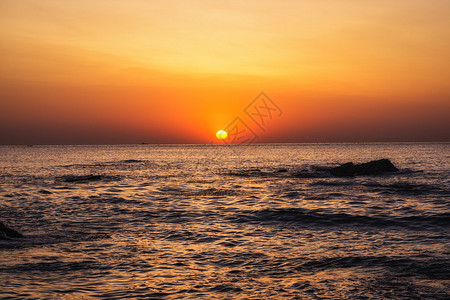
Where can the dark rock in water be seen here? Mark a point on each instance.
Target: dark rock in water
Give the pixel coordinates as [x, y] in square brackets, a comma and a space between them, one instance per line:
[282, 170]
[6, 232]
[91, 177]
[132, 161]
[347, 169]
[374, 167]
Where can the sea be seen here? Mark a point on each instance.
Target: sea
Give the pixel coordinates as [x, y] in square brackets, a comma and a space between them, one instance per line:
[260, 221]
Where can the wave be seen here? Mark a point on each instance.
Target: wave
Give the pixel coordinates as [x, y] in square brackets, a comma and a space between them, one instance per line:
[332, 183]
[180, 191]
[311, 171]
[305, 217]
[53, 266]
[432, 269]
[87, 178]
[404, 187]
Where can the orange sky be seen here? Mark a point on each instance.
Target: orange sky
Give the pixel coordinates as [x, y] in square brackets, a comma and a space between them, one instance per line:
[110, 71]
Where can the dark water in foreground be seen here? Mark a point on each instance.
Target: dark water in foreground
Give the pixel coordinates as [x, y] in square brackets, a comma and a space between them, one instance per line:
[219, 222]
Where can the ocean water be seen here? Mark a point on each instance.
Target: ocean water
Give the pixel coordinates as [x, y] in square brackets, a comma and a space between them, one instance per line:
[224, 222]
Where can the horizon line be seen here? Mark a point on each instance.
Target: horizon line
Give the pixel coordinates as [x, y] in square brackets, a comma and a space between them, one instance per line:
[222, 144]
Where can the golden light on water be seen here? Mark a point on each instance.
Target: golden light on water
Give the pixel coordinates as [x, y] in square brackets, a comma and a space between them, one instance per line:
[221, 134]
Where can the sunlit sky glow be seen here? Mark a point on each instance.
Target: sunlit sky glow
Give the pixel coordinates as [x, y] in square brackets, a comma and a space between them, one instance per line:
[137, 71]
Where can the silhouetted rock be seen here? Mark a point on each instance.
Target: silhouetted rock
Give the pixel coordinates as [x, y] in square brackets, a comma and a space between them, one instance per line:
[132, 161]
[347, 169]
[72, 178]
[6, 232]
[282, 170]
[374, 167]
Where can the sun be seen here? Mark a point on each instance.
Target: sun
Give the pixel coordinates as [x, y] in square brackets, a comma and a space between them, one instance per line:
[221, 134]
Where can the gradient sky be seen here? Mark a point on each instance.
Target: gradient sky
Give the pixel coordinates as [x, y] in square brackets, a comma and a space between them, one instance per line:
[110, 71]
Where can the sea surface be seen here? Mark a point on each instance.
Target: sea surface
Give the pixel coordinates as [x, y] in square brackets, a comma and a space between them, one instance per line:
[224, 222]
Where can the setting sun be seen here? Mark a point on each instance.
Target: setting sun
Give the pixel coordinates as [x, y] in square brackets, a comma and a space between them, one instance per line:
[221, 134]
